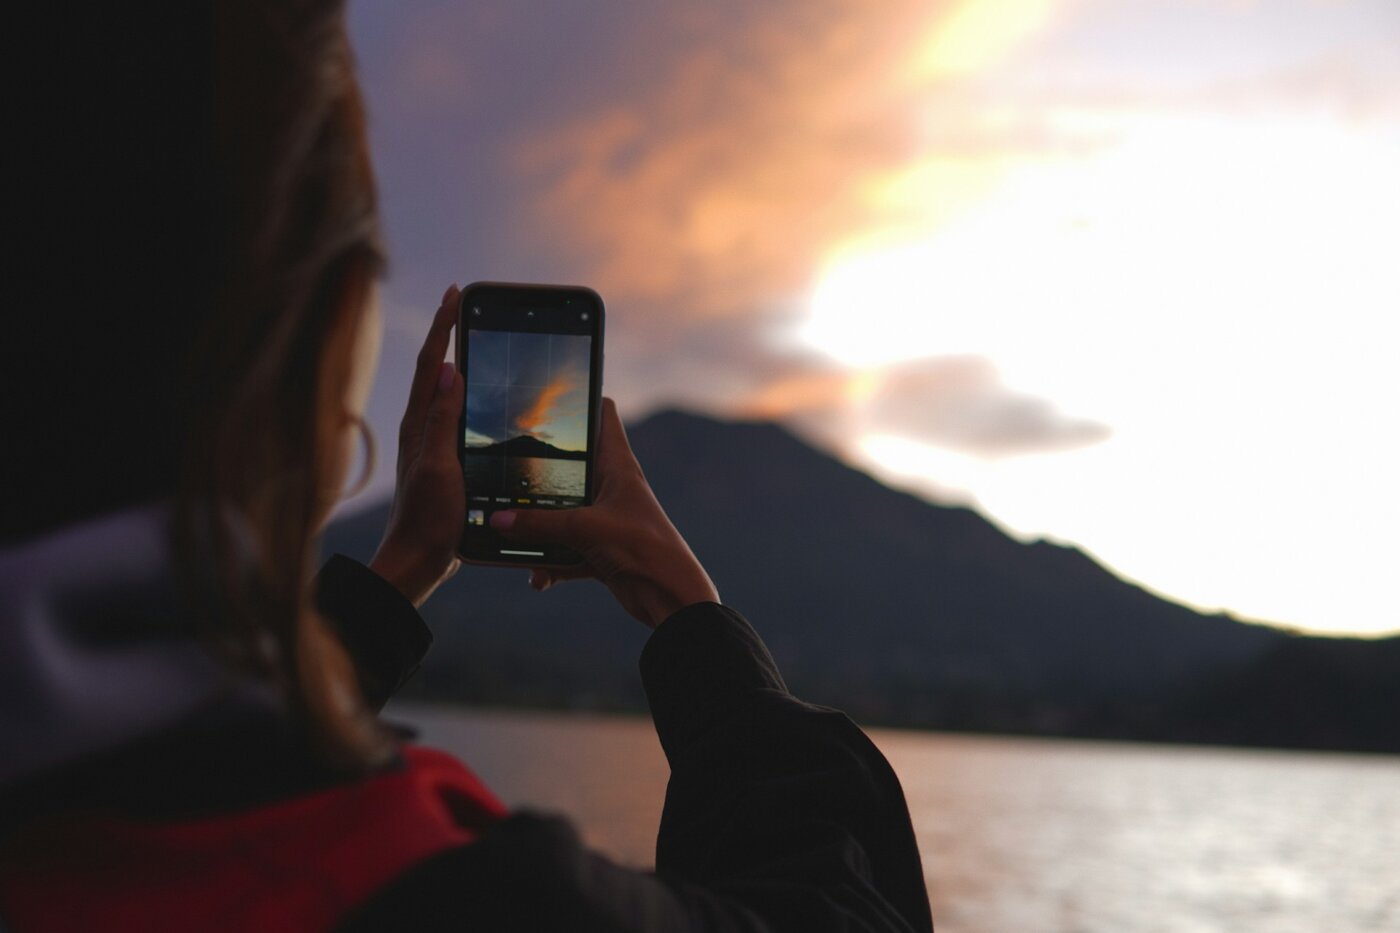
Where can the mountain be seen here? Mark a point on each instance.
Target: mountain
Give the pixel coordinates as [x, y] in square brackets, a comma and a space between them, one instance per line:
[896, 610]
[524, 445]
[1340, 694]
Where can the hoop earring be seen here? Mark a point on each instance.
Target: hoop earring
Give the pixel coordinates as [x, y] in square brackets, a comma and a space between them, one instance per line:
[370, 449]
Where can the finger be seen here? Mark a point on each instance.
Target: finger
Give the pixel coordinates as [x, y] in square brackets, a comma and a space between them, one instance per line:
[425, 375]
[574, 528]
[444, 414]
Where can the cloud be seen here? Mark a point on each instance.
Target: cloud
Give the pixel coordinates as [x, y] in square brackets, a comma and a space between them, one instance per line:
[961, 403]
[955, 402]
[702, 164]
[720, 185]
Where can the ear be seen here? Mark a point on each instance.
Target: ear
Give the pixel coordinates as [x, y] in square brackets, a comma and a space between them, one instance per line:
[348, 360]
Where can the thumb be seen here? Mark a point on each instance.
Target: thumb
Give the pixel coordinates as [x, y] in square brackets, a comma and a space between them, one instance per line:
[440, 425]
[572, 528]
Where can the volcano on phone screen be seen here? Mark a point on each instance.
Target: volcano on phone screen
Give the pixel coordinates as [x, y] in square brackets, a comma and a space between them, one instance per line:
[526, 433]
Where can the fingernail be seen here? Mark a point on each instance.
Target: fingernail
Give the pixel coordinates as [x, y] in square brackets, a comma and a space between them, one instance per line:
[445, 376]
[447, 295]
[503, 521]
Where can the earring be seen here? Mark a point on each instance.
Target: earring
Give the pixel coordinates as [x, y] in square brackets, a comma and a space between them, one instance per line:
[367, 469]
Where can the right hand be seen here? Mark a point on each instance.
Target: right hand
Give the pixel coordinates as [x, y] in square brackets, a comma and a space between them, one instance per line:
[627, 542]
[419, 550]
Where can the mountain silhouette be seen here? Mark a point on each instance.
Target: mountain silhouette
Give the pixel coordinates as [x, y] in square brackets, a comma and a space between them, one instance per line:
[899, 611]
[525, 445]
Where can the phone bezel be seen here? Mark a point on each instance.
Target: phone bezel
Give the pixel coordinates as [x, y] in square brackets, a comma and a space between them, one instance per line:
[481, 544]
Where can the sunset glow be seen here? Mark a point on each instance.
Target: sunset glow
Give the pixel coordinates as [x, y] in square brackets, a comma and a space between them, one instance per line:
[1121, 273]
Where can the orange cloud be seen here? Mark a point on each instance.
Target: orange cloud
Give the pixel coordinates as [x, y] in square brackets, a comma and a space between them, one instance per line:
[761, 141]
[751, 146]
[721, 185]
[541, 412]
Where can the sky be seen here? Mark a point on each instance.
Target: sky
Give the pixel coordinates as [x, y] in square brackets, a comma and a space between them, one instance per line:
[1118, 273]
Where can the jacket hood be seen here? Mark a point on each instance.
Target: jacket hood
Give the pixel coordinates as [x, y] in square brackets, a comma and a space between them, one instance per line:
[93, 651]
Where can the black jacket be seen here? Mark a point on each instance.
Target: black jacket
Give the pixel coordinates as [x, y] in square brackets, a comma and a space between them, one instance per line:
[779, 815]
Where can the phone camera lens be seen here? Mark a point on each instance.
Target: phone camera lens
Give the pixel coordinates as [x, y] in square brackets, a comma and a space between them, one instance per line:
[584, 315]
[529, 314]
[476, 311]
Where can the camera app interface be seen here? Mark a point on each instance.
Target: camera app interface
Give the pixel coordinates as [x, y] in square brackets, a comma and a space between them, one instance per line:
[526, 432]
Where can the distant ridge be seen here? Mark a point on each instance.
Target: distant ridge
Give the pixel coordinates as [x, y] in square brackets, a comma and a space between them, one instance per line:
[524, 445]
[905, 613]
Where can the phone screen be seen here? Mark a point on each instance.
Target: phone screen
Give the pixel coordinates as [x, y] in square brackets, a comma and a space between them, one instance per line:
[531, 359]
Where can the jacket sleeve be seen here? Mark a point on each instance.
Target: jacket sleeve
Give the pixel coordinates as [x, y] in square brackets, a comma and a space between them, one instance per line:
[780, 817]
[383, 632]
[786, 805]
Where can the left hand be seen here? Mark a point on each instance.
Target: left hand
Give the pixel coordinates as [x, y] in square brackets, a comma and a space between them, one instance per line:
[419, 550]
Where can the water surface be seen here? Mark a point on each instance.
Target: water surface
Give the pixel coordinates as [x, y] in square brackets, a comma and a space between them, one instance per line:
[1022, 835]
[523, 476]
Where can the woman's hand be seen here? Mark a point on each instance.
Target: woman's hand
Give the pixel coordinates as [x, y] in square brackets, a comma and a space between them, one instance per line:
[419, 550]
[626, 540]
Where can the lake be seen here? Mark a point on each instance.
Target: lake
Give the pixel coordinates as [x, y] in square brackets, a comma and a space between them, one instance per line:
[1028, 835]
[524, 476]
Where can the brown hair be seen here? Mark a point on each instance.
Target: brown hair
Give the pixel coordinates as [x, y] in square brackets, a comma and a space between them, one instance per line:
[231, 151]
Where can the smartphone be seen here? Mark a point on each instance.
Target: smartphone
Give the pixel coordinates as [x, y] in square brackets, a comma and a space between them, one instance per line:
[531, 357]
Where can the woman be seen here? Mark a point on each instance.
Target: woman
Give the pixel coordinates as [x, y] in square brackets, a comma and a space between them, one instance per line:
[188, 736]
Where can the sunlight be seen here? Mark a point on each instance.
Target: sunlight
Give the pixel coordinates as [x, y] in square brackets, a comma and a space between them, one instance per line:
[977, 34]
[1223, 297]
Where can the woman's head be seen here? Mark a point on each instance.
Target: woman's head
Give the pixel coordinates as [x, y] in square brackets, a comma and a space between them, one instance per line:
[198, 234]
[196, 289]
